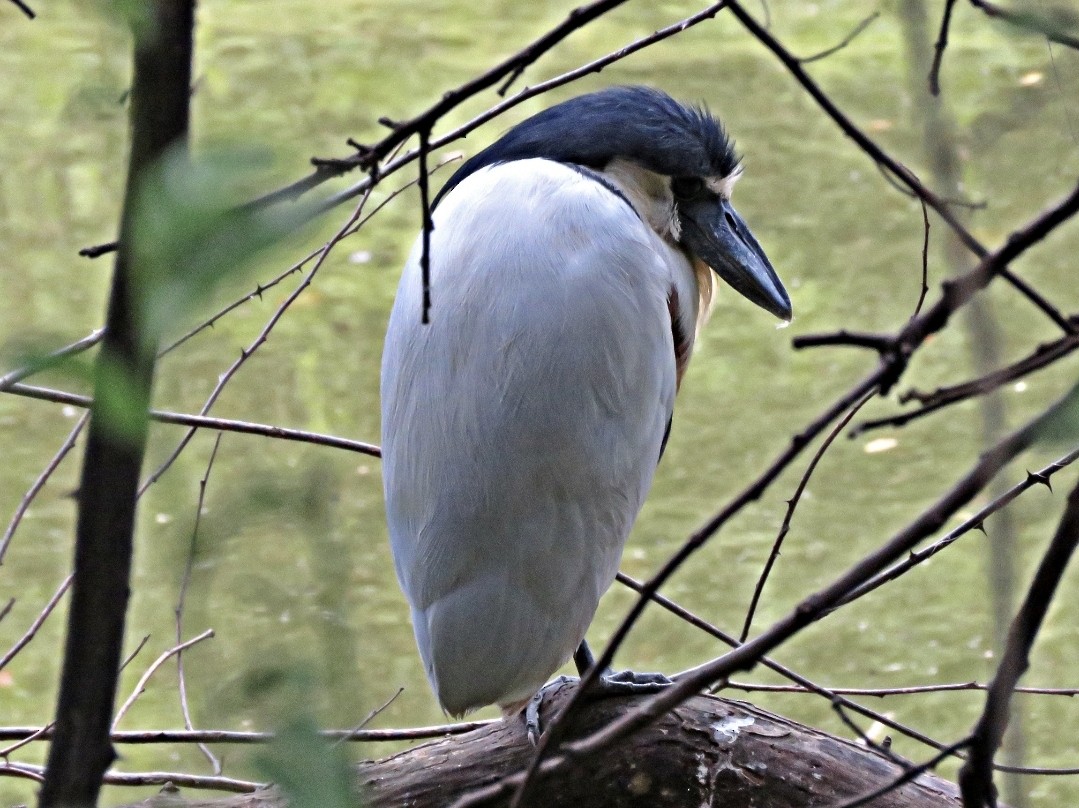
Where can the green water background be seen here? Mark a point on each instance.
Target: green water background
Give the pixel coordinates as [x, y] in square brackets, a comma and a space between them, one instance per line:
[293, 569]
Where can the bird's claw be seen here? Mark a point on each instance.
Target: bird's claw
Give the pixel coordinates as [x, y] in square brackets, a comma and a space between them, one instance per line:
[622, 683]
[532, 711]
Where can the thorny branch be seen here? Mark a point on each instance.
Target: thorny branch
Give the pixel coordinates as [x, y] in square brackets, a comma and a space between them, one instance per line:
[976, 776]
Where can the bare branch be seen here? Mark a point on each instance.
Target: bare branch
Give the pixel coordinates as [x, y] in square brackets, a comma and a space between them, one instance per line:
[39, 483]
[215, 764]
[881, 343]
[30, 632]
[140, 687]
[24, 8]
[942, 43]
[1025, 21]
[1042, 357]
[168, 779]
[855, 32]
[155, 736]
[205, 422]
[885, 692]
[792, 504]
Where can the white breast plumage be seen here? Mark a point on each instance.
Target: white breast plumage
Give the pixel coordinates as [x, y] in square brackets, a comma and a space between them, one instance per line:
[521, 428]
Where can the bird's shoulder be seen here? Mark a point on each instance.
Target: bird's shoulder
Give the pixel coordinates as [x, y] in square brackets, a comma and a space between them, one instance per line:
[544, 190]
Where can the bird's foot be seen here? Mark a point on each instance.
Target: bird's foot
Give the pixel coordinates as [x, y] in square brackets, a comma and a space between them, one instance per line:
[628, 683]
[609, 684]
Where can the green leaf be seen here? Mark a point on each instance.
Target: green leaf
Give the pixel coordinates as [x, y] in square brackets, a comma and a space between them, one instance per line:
[189, 232]
[310, 770]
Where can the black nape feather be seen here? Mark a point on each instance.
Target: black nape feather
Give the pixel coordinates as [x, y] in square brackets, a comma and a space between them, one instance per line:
[636, 123]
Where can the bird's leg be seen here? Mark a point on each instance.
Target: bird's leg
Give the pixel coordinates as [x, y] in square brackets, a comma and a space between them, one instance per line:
[609, 683]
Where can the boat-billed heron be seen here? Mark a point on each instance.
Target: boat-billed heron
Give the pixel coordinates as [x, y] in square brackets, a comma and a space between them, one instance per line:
[571, 263]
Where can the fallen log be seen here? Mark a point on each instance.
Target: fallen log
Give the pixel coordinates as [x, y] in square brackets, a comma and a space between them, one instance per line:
[709, 753]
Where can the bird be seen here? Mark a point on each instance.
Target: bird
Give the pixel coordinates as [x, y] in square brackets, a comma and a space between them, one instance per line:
[571, 264]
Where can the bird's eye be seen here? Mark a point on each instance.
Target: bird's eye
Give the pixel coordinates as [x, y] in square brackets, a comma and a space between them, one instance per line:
[687, 187]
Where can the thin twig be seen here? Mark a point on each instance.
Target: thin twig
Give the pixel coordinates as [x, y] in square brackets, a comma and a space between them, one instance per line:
[885, 692]
[881, 343]
[910, 773]
[135, 653]
[942, 43]
[185, 709]
[1024, 21]
[177, 779]
[792, 504]
[30, 632]
[869, 743]
[25, 9]
[227, 736]
[369, 717]
[4, 753]
[975, 522]
[855, 32]
[50, 360]
[925, 259]
[140, 687]
[98, 250]
[39, 483]
[206, 422]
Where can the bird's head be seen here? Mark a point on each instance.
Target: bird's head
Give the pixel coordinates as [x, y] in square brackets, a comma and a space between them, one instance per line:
[675, 164]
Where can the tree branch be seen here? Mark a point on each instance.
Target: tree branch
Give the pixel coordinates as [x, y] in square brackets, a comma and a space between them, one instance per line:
[976, 776]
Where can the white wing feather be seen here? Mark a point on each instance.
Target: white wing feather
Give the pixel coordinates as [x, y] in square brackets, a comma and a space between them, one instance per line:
[522, 426]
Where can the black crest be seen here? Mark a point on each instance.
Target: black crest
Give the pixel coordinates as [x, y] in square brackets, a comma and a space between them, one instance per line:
[640, 124]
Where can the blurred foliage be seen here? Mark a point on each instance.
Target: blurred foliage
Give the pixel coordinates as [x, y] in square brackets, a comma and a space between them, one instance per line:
[312, 771]
[191, 232]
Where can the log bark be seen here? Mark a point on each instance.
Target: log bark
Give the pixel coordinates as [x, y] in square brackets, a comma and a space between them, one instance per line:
[710, 752]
